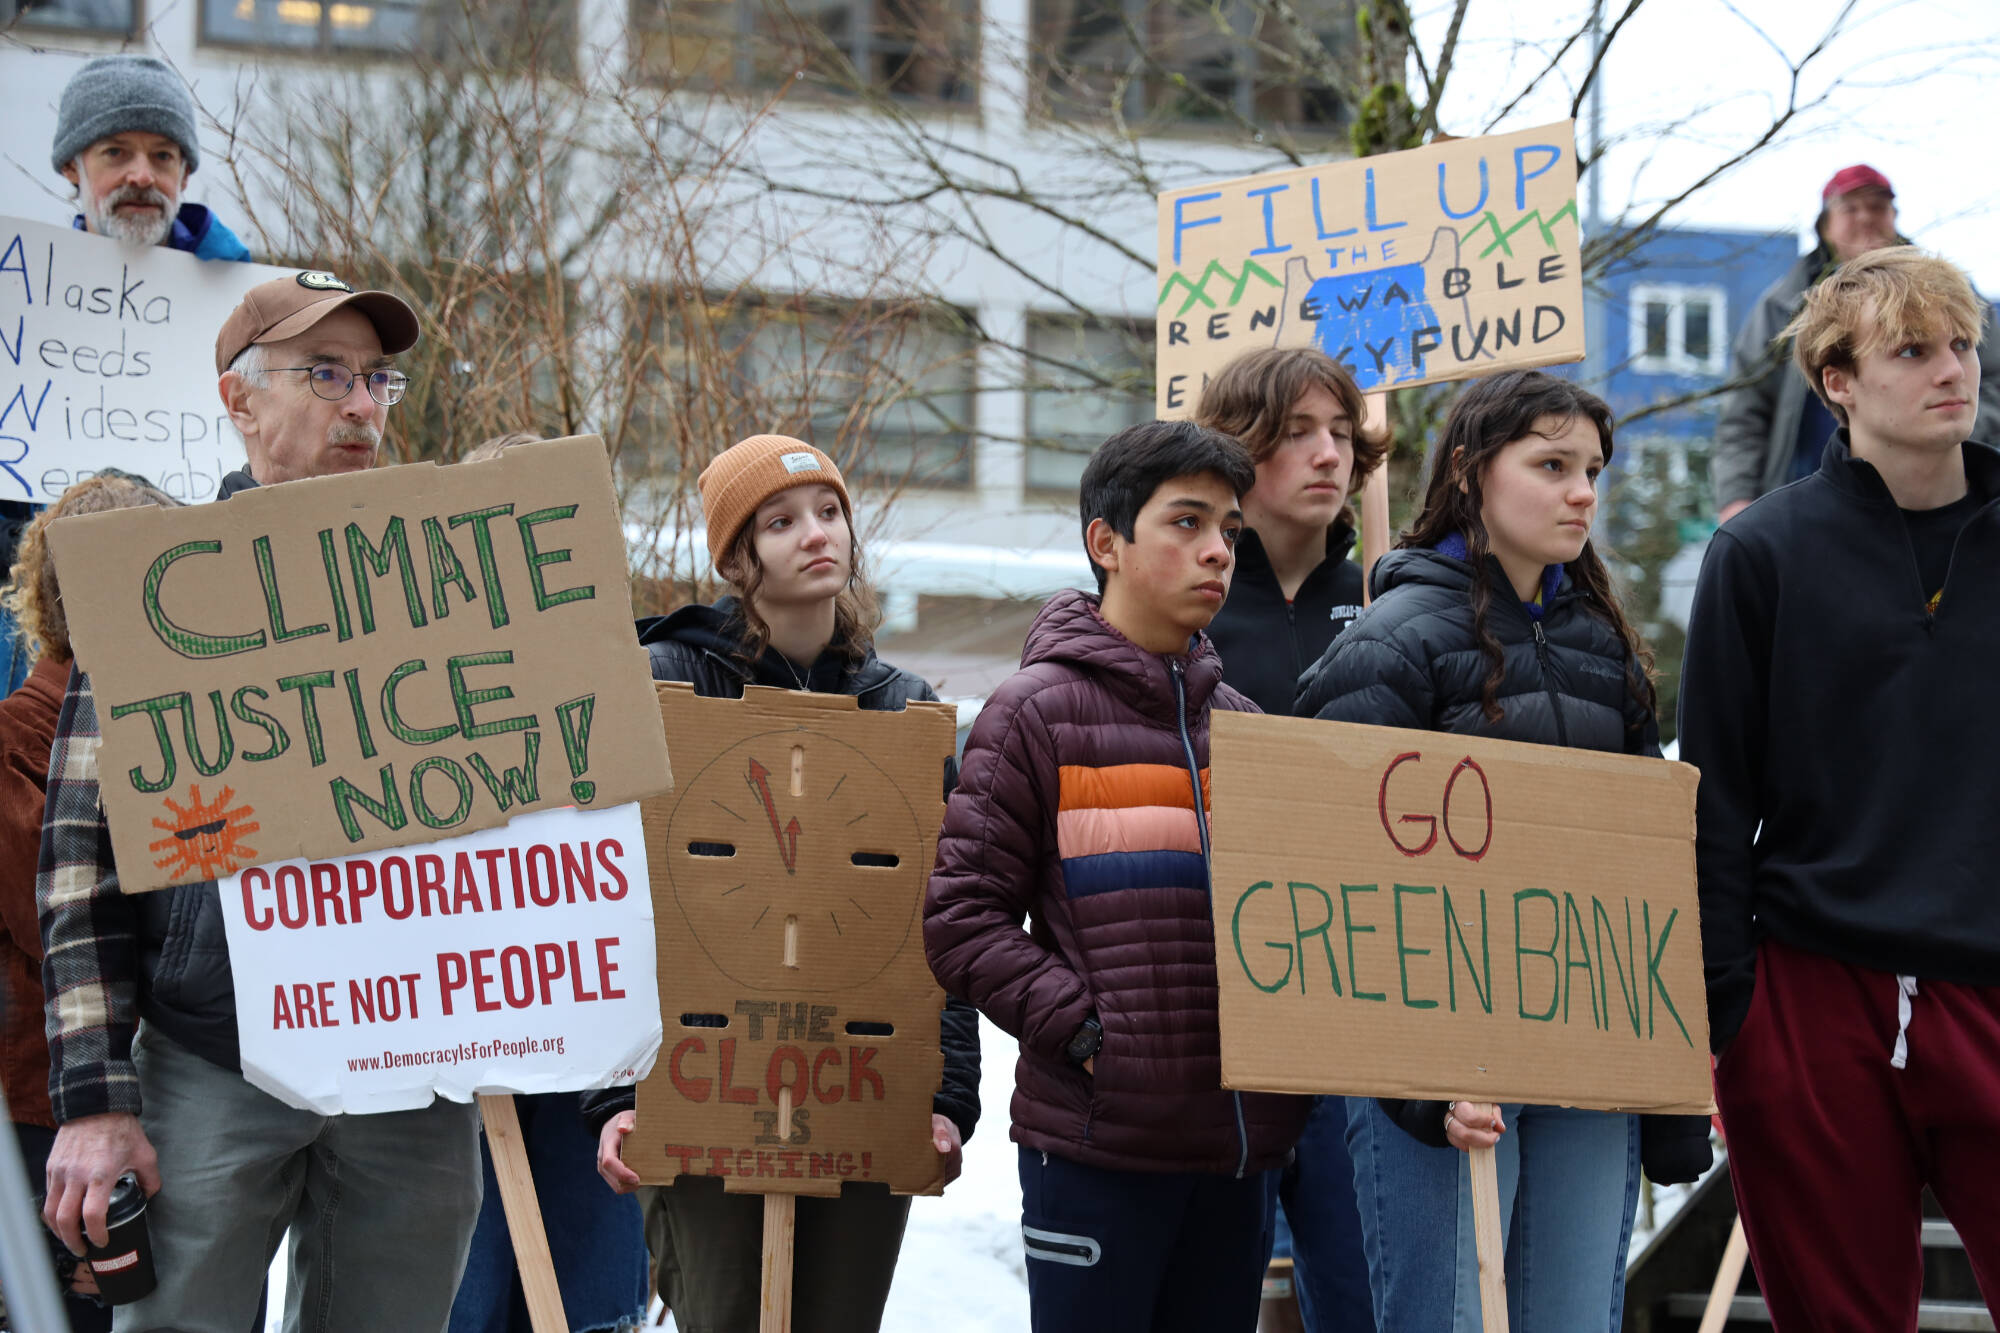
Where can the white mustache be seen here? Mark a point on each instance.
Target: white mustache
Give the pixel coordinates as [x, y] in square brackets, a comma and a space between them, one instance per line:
[351, 433]
[137, 194]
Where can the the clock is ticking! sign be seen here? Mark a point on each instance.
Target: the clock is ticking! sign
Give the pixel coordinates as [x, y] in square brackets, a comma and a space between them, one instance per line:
[788, 874]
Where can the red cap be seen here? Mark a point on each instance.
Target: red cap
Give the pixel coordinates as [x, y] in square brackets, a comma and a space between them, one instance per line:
[1860, 176]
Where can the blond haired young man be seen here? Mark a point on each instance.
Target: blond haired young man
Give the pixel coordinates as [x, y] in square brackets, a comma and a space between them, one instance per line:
[1840, 651]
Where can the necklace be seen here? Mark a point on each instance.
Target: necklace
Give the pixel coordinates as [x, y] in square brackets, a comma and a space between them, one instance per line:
[795, 673]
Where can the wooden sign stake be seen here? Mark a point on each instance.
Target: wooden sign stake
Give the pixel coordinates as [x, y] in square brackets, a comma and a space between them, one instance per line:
[1486, 1234]
[524, 1213]
[780, 1225]
[1374, 498]
[1727, 1277]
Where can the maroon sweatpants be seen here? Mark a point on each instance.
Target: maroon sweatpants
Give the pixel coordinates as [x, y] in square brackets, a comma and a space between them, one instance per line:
[1830, 1145]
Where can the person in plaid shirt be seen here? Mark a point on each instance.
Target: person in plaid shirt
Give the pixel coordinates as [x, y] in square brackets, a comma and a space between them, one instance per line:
[144, 1067]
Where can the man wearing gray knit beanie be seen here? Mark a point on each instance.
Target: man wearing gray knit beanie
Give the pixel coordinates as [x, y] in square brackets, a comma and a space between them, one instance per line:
[125, 137]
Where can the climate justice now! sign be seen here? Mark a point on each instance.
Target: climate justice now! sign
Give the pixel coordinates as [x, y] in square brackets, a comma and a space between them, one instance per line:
[1415, 914]
[516, 959]
[364, 661]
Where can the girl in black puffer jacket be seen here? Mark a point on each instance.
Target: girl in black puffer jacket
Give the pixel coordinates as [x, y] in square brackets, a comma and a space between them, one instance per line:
[1495, 617]
[781, 531]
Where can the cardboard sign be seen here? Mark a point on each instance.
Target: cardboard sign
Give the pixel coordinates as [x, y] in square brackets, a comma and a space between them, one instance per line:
[350, 663]
[516, 959]
[789, 867]
[107, 359]
[1439, 263]
[1414, 914]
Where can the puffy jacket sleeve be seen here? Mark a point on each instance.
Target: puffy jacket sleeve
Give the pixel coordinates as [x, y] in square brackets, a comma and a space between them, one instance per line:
[957, 1097]
[1743, 427]
[992, 850]
[1366, 677]
[1725, 680]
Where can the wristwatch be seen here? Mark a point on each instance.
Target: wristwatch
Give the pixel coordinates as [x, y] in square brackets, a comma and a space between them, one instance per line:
[1084, 1044]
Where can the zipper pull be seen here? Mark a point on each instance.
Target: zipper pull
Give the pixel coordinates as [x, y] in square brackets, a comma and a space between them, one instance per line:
[1539, 640]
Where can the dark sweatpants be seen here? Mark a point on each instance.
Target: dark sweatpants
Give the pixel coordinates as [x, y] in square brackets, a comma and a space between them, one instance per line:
[1141, 1251]
[1830, 1145]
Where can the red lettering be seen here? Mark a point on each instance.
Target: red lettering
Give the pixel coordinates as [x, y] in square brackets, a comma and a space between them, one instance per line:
[775, 1081]
[327, 1016]
[548, 966]
[718, 1161]
[303, 1004]
[766, 1164]
[694, 1089]
[822, 1166]
[846, 1167]
[360, 884]
[292, 910]
[576, 976]
[256, 878]
[829, 1056]
[1486, 787]
[409, 980]
[326, 894]
[510, 956]
[605, 967]
[726, 1051]
[578, 873]
[430, 884]
[281, 1010]
[397, 910]
[451, 977]
[686, 1154]
[482, 980]
[606, 850]
[791, 1161]
[464, 884]
[543, 885]
[1382, 804]
[858, 1069]
[746, 1155]
[490, 858]
[361, 999]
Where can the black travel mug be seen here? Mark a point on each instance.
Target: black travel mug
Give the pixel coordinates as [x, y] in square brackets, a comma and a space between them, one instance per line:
[124, 1266]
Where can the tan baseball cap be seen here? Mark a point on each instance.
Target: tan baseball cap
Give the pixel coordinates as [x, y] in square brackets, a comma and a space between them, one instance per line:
[286, 307]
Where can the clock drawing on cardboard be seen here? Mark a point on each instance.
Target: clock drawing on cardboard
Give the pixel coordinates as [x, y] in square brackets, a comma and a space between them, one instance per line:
[791, 845]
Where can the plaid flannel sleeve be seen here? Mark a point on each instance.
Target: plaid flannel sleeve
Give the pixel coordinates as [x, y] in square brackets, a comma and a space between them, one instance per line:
[89, 929]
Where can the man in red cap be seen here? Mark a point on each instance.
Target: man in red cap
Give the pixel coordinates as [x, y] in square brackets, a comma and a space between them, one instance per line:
[1773, 429]
[145, 1072]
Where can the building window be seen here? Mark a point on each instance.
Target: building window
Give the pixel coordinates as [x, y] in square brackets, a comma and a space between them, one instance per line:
[1176, 62]
[1086, 381]
[542, 30]
[1677, 330]
[886, 391]
[115, 16]
[921, 50]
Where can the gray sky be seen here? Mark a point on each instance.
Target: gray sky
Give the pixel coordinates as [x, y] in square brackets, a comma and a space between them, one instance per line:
[1688, 83]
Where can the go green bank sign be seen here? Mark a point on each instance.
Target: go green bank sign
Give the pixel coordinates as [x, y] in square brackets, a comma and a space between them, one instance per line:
[1413, 914]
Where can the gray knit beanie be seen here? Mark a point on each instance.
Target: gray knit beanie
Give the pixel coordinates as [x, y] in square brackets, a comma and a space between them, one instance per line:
[116, 94]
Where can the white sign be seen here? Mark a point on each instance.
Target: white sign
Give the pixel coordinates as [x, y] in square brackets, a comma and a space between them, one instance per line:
[515, 959]
[107, 359]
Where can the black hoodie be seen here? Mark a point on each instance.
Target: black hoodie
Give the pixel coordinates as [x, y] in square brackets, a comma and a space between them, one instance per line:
[700, 645]
[1266, 643]
[1822, 700]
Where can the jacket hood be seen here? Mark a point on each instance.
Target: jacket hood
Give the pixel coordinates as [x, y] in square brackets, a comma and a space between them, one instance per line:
[1072, 631]
[1422, 565]
[717, 630]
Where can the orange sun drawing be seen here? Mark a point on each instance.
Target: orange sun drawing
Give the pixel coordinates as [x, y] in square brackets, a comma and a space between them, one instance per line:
[203, 841]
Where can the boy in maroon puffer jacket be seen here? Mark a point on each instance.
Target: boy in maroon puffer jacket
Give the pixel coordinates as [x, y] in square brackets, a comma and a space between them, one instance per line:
[1083, 804]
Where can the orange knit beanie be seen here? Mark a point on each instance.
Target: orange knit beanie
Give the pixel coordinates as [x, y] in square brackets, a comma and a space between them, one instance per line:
[750, 472]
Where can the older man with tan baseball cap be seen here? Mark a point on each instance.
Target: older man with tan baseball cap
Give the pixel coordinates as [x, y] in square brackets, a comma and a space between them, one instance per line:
[145, 1070]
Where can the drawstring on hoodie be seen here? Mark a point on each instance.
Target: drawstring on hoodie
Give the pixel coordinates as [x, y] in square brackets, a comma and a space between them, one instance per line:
[1906, 987]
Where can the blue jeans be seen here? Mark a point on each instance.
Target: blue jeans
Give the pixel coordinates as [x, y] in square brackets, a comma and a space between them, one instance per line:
[596, 1238]
[1569, 1184]
[1319, 1228]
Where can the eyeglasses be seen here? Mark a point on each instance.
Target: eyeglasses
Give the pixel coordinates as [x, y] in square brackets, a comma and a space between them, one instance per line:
[333, 382]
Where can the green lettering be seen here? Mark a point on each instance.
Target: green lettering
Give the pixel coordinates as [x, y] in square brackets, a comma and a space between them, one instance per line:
[363, 555]
[353, 677]
[1608, 958]
[225, 744]
[1575, 937]
[421, 805]
[1555, 977]
[388, 811]
[1347, 918]
[279, 742]
[537, 558]
[187, 642]
[446, 570]
[392, 717]
[1654, 982]
[489, 568]
[1452, 926]
[274, 609]
[304, 685]
[1325, 925]
[464, 700]
[512, 784]
[156, 708]
[1403, 951]
[1236, 931]
[329, 562]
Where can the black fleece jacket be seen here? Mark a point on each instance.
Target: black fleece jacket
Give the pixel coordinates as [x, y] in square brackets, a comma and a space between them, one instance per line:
[1821, 700]
[699, 645]
[1412, 660]
[1265, 642]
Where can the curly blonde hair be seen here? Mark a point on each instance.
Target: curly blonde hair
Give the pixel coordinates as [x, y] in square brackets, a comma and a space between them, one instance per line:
[32, 593]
